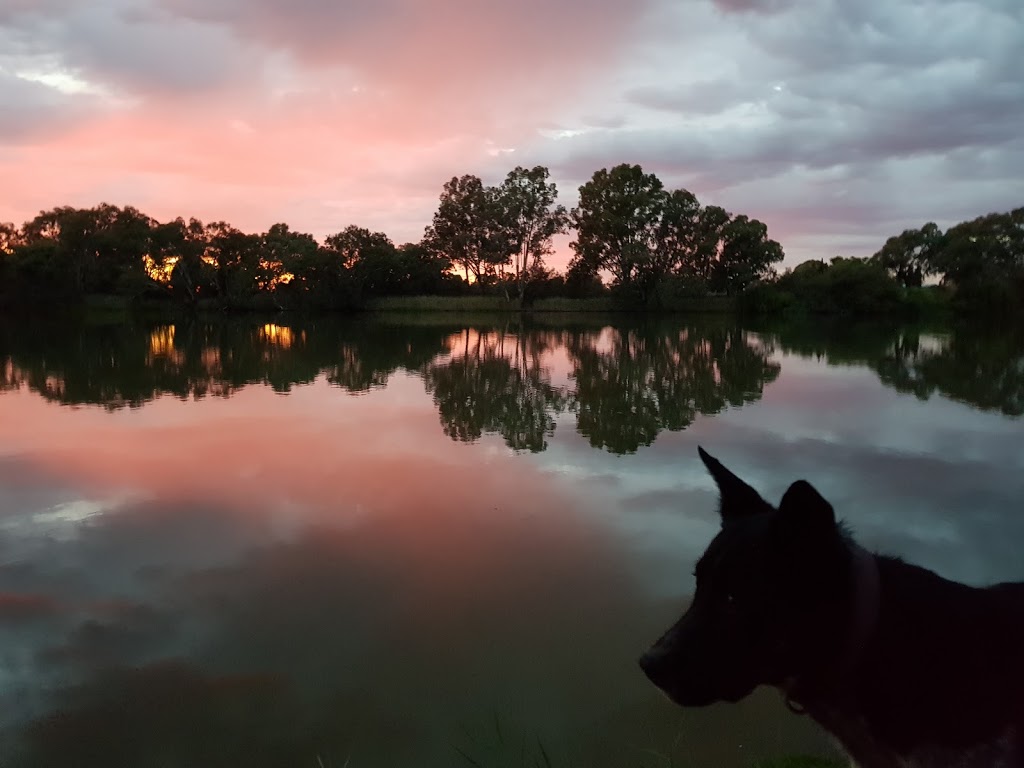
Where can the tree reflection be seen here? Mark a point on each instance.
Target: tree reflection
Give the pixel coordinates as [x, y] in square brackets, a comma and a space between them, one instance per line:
[624, 384]
[627, 384]
[632, 384]
[496, 383]
[127, 364]
[977, 366]
[982, 370]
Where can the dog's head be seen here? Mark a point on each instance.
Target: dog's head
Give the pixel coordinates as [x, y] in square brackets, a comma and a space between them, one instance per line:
[772, 588]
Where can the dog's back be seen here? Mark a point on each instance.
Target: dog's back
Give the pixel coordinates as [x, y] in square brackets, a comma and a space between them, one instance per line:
[941, 681]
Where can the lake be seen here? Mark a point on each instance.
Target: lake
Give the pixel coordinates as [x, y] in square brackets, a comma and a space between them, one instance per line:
[437, 541]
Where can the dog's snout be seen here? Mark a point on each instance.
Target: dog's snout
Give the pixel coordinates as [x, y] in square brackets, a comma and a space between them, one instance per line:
[651, 663]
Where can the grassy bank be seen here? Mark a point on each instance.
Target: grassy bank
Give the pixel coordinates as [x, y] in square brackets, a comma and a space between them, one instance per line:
[711, 304]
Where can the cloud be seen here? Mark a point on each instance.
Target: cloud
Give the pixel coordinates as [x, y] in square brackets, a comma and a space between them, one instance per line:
[835, 122]
[19, 607]
[449, 47]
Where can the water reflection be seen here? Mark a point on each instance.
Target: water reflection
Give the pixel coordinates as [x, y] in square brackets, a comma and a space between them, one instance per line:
[269, 580]
[624, 384]
[981, 367]
[497, 382]
[632, 384]
[391, 614]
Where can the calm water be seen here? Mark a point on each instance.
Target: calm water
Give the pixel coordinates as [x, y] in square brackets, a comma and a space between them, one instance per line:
[443, 543]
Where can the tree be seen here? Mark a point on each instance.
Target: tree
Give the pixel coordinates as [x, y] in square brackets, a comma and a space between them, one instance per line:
[848, 286]
[177, 249]
[285, 252]
[990, 245]
[711, 224]
[530, 219]
[984, 260]
[678, 240]
[368, 258]
[617, 222]
[10, 238]
[467, 228]
[425, 272]
[236, 257]
[909, 256]
[73, 231]
[124, 239]
[746, 255]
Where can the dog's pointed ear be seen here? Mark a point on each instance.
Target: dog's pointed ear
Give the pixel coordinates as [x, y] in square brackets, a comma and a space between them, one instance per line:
[803, 506]
[737, 499]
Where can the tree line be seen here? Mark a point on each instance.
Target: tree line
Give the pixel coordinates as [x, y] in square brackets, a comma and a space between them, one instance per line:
[482, 239]
[635, 240]
[976, 266]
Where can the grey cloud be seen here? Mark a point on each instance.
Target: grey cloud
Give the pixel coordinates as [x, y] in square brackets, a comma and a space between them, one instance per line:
[851, 116]
[131, 49]
[144, 53]
[33, 110]
[707, 97]
[752, 6]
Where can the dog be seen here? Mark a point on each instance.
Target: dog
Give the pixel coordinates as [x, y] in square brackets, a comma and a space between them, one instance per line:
[904, 668]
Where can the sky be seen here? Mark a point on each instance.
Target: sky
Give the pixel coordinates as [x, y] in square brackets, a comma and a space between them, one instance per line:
[836, 122]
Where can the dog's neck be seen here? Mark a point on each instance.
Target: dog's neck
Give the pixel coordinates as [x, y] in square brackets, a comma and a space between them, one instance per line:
[801, 695]
[866, 600]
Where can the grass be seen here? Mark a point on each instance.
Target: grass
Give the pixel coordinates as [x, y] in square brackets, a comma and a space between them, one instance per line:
[553, 304]
[442, 304]
[499, 742]
[800, 761]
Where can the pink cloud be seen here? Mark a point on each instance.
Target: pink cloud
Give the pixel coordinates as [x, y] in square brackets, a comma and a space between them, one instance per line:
[352, 113]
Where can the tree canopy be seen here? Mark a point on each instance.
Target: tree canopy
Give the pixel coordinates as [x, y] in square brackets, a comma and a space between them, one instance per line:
[629, 224]
[655, 246]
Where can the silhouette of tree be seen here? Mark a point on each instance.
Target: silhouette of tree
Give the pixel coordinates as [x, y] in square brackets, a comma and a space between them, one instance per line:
[617, 224]
[467, 228]
[910, 256]
[530, 219]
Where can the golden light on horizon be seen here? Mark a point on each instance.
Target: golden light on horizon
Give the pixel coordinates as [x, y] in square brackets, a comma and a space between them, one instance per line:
[277, 335]
[159, 272]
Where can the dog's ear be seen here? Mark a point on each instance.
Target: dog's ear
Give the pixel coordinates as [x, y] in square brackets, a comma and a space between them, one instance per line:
[737, 499]
[804, 507]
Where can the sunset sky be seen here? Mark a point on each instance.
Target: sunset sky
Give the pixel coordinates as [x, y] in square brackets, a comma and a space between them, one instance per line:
[837, 122]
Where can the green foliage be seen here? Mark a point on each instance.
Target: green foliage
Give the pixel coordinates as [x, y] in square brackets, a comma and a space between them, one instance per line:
[662, 249]
[628, 382]
[845, 286]
[529, 219]
[981, 261]
[467, 228]
[967, 362]
[646, 381]
[629, 224]
[617, 222]
[910, 256]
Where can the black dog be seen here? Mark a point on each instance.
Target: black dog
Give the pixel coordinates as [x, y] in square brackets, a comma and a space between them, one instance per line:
[905, 668]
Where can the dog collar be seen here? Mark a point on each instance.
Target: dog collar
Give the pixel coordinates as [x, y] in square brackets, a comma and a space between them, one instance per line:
[866, 607]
